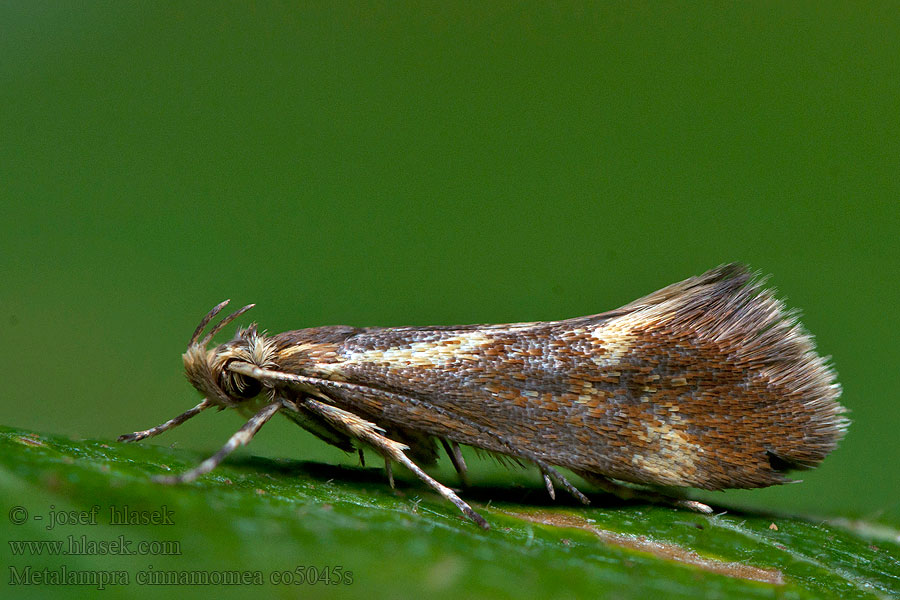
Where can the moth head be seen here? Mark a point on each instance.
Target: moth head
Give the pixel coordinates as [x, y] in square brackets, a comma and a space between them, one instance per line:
[208, 369]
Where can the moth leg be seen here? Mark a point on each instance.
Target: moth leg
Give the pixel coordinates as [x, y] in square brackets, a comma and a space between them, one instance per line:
[389, 471]
[550, 474]
[319, 385]
[549, 483]
[368, 432]
[241, 438]
[694, 505]
[628, 493]
[456, 457]
[141, 435]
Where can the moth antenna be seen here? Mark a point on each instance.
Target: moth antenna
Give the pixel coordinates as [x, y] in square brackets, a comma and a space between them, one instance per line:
[141, 435]
[218, 326]
[205, 321]
[241, 438]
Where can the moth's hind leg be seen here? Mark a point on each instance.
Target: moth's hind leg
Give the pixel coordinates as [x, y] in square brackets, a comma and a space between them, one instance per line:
[456, 457]
[369, 433]
[549, 474]
[629, 493]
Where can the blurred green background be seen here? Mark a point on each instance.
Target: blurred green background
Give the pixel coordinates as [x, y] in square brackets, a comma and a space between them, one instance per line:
[417, 164]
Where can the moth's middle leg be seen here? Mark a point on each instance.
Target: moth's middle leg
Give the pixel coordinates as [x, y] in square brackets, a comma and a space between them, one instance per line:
[368, 432]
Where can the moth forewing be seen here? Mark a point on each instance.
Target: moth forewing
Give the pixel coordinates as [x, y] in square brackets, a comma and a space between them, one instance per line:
[706, 383]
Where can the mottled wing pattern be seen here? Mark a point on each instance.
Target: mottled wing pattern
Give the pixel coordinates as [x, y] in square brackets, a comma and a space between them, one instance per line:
[707, 383]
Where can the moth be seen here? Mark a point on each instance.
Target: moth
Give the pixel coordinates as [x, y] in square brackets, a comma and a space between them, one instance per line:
[707, 383]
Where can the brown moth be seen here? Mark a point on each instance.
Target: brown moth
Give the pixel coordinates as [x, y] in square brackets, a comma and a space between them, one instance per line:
[707, 383]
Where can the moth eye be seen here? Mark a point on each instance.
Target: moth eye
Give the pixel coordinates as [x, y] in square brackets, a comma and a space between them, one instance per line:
[240, 386]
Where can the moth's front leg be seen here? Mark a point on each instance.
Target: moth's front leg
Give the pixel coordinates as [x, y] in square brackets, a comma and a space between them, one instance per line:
[368, 432]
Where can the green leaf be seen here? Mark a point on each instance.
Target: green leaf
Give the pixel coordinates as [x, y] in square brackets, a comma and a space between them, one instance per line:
[267, 521]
